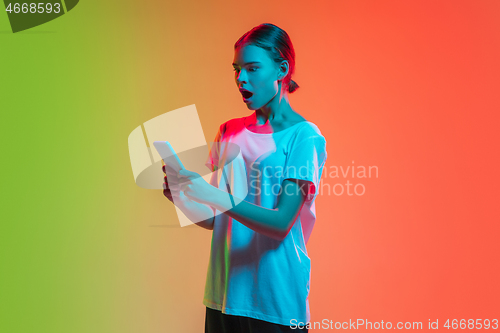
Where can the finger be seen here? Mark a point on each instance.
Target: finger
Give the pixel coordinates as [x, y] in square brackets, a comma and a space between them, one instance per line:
[171, 179]
[184, 187]
[166, 186]
[175, 194]
[174, 191]
[188, 173]
[184, 179]
[169, 170]
[168, 194]
[174, 188]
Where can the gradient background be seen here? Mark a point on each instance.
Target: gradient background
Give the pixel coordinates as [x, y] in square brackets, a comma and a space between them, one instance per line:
[411, 87]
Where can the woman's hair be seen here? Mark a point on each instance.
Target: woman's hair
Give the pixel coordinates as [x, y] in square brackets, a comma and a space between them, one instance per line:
[279, 46]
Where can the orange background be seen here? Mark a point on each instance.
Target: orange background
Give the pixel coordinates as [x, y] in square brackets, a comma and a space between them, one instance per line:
[410, 87]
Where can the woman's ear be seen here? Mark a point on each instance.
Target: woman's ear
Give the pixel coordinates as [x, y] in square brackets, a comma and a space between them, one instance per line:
[283, 69]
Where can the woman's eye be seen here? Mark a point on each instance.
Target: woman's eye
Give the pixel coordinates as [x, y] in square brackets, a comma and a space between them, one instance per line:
[251, 69]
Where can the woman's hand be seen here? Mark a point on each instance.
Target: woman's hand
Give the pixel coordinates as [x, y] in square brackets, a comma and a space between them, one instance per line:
[168, 188]
[171, 187]
[194, 186]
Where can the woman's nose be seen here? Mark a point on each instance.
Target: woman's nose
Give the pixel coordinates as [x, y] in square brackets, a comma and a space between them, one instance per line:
[241, 77]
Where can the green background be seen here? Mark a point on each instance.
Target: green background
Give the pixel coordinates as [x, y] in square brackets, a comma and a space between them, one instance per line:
[84, 249]
[67, 106]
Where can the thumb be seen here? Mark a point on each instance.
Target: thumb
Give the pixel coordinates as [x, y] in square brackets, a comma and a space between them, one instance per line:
[184, 173]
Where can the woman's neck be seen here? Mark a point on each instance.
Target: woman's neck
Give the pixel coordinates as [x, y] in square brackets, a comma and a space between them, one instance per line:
[263, 123]
[277, 111]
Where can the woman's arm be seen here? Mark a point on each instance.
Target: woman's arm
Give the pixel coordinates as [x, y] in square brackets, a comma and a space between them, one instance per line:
[275, 223]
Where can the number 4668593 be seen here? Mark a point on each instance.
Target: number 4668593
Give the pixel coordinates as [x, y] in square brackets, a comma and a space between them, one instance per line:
[34, 8]
[471, 324]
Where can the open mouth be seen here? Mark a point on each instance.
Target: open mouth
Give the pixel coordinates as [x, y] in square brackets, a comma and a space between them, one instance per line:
[246, 94]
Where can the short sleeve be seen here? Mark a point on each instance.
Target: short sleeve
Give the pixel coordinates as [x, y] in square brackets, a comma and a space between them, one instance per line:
[306, 158]
[212, 161]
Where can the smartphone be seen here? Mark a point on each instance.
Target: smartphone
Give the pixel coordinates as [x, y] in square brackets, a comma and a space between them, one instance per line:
[168, 155]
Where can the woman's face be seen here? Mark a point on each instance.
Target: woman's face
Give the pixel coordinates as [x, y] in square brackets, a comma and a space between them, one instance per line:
[257, 73]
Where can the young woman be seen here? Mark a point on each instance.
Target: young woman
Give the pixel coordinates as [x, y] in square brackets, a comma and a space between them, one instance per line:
[262, 214]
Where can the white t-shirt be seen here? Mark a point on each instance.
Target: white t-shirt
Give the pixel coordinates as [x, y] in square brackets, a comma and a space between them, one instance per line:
[250, 274]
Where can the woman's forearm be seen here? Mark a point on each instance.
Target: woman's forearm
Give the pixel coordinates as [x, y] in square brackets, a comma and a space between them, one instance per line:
[275, 223]
[270, 222]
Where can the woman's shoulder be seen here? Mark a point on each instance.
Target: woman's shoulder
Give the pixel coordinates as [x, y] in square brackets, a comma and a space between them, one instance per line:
[232, 125]
[308, 128]
[233, 121]
[304, 124]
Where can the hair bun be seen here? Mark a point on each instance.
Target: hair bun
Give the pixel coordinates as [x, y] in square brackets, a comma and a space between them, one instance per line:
[292, 86]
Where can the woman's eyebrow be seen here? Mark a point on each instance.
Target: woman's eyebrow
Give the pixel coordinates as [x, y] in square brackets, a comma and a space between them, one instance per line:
[248, 63]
